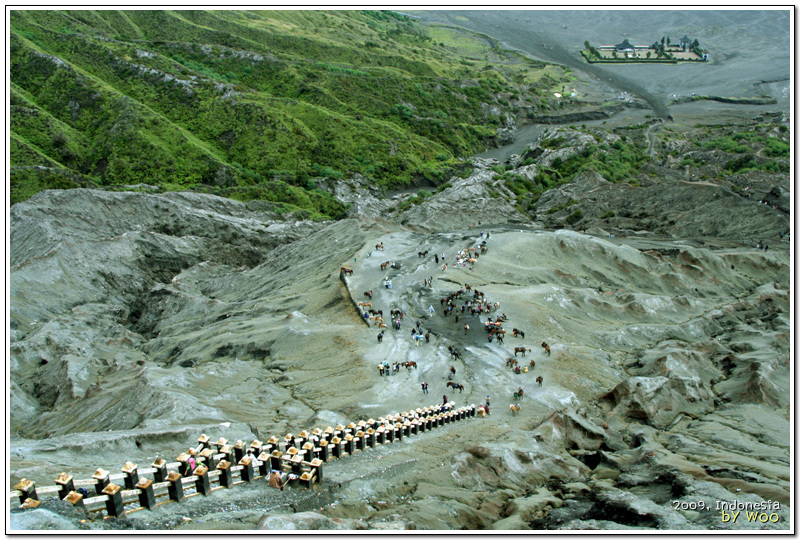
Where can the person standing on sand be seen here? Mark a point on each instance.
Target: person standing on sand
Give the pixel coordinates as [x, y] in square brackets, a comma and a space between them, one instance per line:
[424, 388]
[380, 337]
[444, 399]
[466, 327]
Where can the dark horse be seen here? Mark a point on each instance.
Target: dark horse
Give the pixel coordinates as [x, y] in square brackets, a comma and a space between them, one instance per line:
[521, 350]
[546, 348]
[347, 271]
[516, 333]
[422, 253]
[456, 386]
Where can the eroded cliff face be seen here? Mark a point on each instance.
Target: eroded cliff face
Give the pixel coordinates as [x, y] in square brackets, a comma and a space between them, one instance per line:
[139, 321]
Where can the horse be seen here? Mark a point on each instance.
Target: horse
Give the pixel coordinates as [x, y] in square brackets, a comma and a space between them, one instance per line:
[453, 370]
[384, 265]
[533, 364]
[379, 246]
[365, 304]
[454, 354]
[368, 293]
[519, 333]
[546, 348]
[346, 271]
[512, 363]
[422, 254]
[539, 380]
[514, 408]
[409, 365]
[521, 350]
[456, 386]
[519, 393]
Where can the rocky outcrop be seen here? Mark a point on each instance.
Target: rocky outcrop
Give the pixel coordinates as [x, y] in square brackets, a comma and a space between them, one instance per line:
[464, 204]
[308, 521]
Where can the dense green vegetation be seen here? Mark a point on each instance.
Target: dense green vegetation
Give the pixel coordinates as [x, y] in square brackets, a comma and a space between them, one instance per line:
[620, 161]
[250, 104]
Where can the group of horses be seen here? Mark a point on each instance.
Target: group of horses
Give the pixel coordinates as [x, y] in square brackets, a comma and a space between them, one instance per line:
[477, 305]
[514, 365]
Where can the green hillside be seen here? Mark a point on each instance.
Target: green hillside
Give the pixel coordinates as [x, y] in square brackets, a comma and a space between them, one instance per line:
[253, 104]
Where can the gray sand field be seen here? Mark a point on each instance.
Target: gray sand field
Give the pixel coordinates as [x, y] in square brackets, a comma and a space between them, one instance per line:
[749, 50]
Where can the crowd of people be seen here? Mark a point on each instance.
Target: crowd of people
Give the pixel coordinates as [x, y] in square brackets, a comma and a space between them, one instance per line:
[465, 302]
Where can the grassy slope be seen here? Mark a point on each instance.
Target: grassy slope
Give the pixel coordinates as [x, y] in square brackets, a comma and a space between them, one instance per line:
[251, 104]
